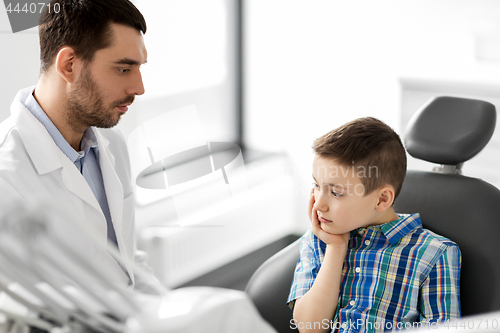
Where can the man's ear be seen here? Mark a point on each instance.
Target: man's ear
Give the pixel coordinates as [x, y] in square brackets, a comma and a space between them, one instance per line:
[66, 63]
[385, 198]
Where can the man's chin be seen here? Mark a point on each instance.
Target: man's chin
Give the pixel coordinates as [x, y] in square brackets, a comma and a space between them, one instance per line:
[108, 124]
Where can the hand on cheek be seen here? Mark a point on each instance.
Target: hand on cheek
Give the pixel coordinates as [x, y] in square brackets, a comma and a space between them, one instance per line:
[310, 205]
[328, 238]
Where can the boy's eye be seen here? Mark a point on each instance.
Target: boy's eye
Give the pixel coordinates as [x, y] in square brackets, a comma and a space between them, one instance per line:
[315, 185]
[334, 193]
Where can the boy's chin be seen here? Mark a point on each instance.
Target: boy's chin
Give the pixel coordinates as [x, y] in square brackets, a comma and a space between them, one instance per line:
[332, 230]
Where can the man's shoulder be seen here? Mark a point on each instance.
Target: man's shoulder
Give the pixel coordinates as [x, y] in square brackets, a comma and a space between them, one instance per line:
[6, 128]
[12, 153]
[12, 147]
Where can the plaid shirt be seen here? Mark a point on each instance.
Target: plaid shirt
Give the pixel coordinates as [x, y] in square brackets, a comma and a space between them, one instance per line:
[395, 275]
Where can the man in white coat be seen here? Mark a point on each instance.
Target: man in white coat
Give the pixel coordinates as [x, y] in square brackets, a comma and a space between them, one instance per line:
[57, 144]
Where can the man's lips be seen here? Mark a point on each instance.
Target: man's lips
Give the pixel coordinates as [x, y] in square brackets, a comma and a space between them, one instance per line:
[323, 220]
[123, 108]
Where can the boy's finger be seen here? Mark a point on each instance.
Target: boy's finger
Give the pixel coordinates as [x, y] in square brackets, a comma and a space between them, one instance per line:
[315, 225]
[310, 205]
[314, 218]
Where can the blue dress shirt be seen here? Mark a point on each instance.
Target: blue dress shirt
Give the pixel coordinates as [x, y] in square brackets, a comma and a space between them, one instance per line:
[86, 160]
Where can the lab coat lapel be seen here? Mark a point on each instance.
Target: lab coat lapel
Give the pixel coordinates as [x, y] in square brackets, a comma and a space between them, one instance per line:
[74, 181]
[112, 184]
[114, 194]
[46, 155]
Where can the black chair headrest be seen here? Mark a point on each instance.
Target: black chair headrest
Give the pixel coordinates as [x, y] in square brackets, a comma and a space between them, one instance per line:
[450, 130]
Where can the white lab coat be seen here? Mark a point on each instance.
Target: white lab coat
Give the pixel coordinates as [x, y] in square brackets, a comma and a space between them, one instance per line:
[32, 167]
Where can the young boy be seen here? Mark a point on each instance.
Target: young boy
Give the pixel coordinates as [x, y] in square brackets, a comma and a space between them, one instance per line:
[362, 267]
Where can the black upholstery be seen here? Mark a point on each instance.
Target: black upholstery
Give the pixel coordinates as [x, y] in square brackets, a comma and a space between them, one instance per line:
[451, 130]
[467, 211]
[448, 130]
[270, 285]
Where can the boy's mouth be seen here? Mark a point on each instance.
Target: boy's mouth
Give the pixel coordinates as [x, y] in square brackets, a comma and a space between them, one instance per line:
[323, 220]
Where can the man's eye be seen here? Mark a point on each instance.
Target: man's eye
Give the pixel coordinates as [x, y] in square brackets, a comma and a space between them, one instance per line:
[123, 70]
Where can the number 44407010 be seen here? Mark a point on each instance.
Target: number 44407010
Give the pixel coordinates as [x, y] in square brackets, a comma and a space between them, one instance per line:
[32, 8]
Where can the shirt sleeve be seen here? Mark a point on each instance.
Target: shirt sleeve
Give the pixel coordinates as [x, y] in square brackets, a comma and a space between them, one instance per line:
[307, 268]
[440, 293]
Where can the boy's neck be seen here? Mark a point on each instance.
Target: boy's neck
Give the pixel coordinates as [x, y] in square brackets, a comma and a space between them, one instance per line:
[388, 216]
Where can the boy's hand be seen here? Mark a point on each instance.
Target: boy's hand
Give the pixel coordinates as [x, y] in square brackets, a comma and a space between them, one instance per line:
[328, 238]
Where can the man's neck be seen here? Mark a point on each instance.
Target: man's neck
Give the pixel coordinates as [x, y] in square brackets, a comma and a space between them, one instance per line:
[52, 100]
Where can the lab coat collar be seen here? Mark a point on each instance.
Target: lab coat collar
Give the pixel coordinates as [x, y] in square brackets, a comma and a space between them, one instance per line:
[43, 151]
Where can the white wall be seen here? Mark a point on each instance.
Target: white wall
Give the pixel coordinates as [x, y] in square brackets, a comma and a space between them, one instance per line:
[314, 65]
[19, 56]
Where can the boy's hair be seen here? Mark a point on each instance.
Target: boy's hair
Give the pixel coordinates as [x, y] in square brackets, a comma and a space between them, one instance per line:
[83, 25]
[367, 143]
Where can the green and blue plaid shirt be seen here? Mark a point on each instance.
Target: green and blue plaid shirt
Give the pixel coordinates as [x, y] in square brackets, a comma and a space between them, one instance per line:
[394, 275]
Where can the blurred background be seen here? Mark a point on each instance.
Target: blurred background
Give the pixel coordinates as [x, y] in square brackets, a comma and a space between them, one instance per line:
[271, 76]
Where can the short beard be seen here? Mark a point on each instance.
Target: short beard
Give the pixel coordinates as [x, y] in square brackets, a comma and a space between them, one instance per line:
[85, 106]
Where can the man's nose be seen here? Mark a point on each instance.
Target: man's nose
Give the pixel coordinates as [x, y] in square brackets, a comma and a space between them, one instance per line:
[137, 86]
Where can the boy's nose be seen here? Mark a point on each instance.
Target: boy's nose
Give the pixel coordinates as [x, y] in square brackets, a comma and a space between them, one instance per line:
[320, 202]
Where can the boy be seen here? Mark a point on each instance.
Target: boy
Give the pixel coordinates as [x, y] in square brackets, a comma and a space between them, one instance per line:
[362, 267]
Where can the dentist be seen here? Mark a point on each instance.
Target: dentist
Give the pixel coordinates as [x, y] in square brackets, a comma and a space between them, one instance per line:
[58, 144]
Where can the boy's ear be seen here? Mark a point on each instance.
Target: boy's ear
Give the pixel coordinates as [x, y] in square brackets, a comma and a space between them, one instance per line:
[385, 198]
[65, 64]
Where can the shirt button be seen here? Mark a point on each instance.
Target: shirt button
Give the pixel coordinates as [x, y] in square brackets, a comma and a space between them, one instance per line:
[352, 303]
[367, 242]
[361, 232]
[344, 325]
[358, 269]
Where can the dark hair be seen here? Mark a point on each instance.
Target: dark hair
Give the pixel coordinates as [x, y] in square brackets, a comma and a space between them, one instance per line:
[83, 25]
[367, 143]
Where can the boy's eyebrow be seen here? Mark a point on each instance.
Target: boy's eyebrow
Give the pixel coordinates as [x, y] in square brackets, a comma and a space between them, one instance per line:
[332, 185]
[128, 61]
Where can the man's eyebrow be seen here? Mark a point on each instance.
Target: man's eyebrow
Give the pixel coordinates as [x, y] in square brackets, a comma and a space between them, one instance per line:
[128, 61]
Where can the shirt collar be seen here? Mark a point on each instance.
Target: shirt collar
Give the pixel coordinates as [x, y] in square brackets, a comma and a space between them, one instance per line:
[397, 229]
[88, 140]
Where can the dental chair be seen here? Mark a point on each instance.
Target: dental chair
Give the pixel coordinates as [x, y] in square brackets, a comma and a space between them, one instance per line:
[448, 131]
